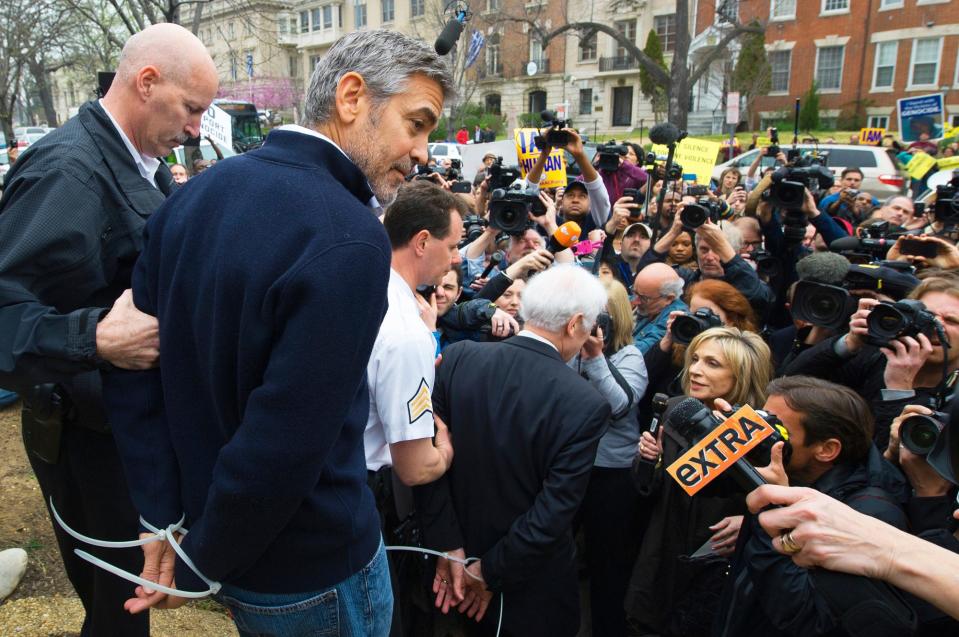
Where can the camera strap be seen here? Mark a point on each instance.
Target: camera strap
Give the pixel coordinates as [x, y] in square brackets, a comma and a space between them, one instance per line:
[623, 385]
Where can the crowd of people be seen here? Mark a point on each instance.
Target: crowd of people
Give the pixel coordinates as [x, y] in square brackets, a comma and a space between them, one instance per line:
[300, 373]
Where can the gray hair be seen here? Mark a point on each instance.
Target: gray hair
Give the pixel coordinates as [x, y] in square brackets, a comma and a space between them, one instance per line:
[892, 198]
[553, 297]
[733, 235]
[385, 59]
[673, 288]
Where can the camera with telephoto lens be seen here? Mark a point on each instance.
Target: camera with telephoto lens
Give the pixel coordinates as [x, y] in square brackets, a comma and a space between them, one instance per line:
[696, 428]
[696, 214]
[891, 320]
[604, 322]
[692, 324]
[767, 264]
[423, 171]
[788, 192]
[501, 176]
[947, 201]
[919, 433]
[509, 209]
[555, 136]
[820, 304]
[609, 156]
[473, 227]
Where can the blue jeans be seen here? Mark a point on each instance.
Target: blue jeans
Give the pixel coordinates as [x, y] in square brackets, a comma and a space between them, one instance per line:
[359, 606]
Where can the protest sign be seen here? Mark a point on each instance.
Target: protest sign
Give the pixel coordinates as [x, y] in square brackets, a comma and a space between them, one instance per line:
[919, 165]
[917, 115]
[871, 136]
[217, 124]
[527, 152]
[696, 156]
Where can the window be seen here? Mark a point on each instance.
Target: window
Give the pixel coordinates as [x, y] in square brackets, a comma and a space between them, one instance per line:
[282, 26]
[234, 67]
[536, 50]
[782, 9]
[493, 66]
[587, 48]
[388, 11]
[359, 15]
[835, 6]
[417, 8]
[328, 16]
[230, 32]
[884, 75]
[627, 28]
[492, 5]
[537, 101]
[878, 121]
[248, 27]
[779, 62]
[585, 101]
[665, 26]
[889, 4]
[726, 11]
[493, 103]
[924, 70]
[314, 60]
[304, 21]
[315, 18]
[292, 25]
[829, 67]
[294, 65]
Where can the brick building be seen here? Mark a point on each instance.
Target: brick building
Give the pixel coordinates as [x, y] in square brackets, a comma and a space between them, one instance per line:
[860, 52]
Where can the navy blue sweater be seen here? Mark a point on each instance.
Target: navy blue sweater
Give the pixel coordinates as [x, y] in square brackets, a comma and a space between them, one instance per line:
[268, 275]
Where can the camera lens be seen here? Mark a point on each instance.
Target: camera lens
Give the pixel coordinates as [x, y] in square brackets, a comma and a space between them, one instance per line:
[686, 328]
[693, 216]
[919, 434]
[885, 322]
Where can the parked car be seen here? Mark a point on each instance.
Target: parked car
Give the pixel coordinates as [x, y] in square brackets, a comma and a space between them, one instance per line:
[882, 176]
[442, 150]
[27, 135]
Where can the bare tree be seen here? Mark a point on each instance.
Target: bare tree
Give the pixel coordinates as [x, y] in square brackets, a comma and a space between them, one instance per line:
[680, 78]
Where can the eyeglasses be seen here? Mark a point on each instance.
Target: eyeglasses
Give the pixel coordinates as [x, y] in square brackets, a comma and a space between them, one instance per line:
[642, 298]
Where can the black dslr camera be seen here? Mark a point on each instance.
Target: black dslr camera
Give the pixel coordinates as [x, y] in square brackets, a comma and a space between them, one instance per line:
[696, 214]
[947, 201]
[501, 176]
[509, 209]
[604, 322]
[609, 155]
[828, 306]
[889, 321]
[455, 171]
[919, 433]
[555, 136]
[788, 191]
[692, 324]
[473, 227]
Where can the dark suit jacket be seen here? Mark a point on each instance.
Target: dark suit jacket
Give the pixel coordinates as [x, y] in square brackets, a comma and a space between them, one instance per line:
[525, 429]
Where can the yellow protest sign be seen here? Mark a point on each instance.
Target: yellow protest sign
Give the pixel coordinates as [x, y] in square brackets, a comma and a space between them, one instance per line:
[696, 156]
[762, 142]
[527, 152]
[919, 165]
[871, 136]
[948, 163]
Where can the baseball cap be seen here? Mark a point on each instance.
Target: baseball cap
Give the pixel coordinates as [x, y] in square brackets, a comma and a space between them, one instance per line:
[638, 227]
[489, 156]
[578, 184]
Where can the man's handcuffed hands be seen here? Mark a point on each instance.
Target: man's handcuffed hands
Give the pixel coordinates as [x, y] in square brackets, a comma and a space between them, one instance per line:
[159, 560]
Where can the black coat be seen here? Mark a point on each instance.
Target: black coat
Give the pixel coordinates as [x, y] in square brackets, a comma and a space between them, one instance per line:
[71, 226]
[767, 594]
[525, 430]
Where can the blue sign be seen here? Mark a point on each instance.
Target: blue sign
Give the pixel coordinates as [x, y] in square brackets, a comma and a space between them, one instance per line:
[918, 115]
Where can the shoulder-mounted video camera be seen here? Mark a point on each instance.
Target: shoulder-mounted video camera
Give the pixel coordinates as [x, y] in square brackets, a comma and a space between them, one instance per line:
[509, 209]
[609, 155]
[947, 202]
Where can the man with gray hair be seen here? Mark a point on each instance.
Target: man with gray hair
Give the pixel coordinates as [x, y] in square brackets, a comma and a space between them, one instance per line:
[269, 279]
[658, 291]
[526, 429]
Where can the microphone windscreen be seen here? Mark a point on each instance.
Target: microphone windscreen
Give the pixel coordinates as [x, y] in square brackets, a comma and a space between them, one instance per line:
[683, 411]
[496, 257]
[823, 267]
[567, 235]
[448, 37]
[845, 243]
[664, 133]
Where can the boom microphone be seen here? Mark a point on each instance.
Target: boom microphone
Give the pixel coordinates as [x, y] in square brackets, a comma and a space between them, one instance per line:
[450, 34]
[664, 134]
[494, 260]
[823, 267]
[566, 236]
[844, 244]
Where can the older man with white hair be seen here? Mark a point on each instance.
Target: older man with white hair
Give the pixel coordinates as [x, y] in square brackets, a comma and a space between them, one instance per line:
[526, 428]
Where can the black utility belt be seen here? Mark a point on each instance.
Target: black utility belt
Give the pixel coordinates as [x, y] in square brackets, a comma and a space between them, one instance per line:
[47, 410]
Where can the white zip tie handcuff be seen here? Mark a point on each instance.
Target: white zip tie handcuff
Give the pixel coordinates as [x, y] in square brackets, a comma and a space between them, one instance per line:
[168, 535]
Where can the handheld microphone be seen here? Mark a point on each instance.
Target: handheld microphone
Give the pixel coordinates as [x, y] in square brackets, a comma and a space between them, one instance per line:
[645, 467]
[451, 33]
[494, 260]
[664, 134]
[566, 236]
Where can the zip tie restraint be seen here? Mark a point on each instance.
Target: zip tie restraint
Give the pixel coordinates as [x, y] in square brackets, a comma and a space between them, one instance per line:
[159, 535]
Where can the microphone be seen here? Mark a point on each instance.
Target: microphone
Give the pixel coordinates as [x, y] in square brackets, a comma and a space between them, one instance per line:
[451, 33]
[823, 267]
[494, 260]
[693, 420]
[646, 467]
[843, 244]
[665, 134]
[566, 236]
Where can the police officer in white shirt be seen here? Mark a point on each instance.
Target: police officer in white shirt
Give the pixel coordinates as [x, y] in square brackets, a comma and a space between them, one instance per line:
[424, 225]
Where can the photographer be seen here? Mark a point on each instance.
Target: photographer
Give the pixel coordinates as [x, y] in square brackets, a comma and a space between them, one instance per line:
[907, 370]
[717, 254]
[469, 319]
[626, 175]
[841, 204]
[830, 434]
[587, 204]
[610, 511]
